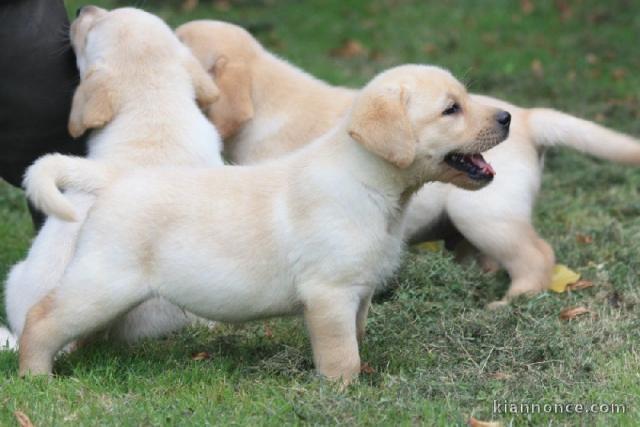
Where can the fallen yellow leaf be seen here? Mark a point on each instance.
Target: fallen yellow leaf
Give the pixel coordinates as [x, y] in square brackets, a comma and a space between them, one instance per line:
[572, 313]
[431, 246]
[562, 277]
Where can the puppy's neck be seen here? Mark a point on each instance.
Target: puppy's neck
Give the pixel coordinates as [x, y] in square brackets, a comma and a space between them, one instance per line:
[337, 149]
[338, 152]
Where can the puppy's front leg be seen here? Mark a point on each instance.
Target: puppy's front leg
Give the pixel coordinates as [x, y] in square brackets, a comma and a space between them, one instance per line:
[331, 320]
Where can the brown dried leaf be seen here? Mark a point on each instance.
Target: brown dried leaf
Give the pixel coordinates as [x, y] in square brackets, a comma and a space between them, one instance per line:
[619, 73]
[477, 423]
[527, 6]
[222, 5]
[499, 376]
[365, 368]
[189, 5]
[268, 332]
[579, 285]
[349, 49]
[430, 48]
[201, 355]
[572, 313]
[584, 239]
[23, 419]
[599, 16]
[566, 12]
[375, 55]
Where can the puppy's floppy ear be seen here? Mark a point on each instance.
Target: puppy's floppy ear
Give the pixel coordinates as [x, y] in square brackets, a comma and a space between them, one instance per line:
[206, 90]
[93, 103]
[235, 106]
[379, 122]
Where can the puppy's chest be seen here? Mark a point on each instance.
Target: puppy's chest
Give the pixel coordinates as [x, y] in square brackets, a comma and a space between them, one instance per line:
[360, 257]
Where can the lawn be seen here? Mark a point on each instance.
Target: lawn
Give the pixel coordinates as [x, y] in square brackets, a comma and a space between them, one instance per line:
[435, 355]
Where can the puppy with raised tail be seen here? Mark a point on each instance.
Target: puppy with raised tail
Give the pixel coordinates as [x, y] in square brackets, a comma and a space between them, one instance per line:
[311, 233]
[138, 91]
[269, 107]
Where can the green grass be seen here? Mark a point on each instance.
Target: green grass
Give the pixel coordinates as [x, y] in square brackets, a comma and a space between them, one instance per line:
[438, 355]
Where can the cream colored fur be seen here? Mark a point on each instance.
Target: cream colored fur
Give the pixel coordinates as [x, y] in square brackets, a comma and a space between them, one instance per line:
[267, 107]
[291, 108]
[311, 233]
[138, 90]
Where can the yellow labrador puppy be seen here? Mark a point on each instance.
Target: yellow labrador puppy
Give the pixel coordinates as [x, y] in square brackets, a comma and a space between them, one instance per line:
[327, 220]
[268, 107]
[142, 118]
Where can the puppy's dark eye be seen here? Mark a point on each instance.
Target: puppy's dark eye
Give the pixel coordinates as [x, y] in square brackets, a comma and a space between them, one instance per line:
[453, 109]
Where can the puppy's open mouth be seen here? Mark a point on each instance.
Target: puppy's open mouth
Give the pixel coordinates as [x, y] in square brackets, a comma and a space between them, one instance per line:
[473, 165]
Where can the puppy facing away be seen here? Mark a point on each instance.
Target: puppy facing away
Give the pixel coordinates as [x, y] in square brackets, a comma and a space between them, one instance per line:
[267, 107]
[495, 220]
[328, 219]
[138, 90]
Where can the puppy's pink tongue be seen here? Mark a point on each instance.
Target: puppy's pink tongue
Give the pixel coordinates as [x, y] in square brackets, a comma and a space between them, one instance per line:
[479, 161]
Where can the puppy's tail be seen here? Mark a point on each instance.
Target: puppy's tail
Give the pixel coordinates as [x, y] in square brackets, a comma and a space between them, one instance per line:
[8, 341]
[44, 179]
[550, 127]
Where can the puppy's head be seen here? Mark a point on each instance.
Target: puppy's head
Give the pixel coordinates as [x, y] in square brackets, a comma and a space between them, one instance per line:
[120, 51]
[421, 119]
[227, 51]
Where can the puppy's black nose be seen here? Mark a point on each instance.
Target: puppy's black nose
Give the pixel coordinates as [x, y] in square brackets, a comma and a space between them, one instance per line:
[504, 118]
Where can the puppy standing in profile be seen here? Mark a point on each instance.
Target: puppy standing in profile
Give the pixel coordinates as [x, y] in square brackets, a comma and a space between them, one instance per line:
[313, 232]
[138, 89]
[268, 107]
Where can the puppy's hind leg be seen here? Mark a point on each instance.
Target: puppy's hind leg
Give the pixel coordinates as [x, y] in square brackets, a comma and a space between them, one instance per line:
[530, 267]
[84, 302]
[515, 244]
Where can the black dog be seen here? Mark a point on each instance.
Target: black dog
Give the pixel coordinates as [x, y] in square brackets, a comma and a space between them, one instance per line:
[37, 78]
